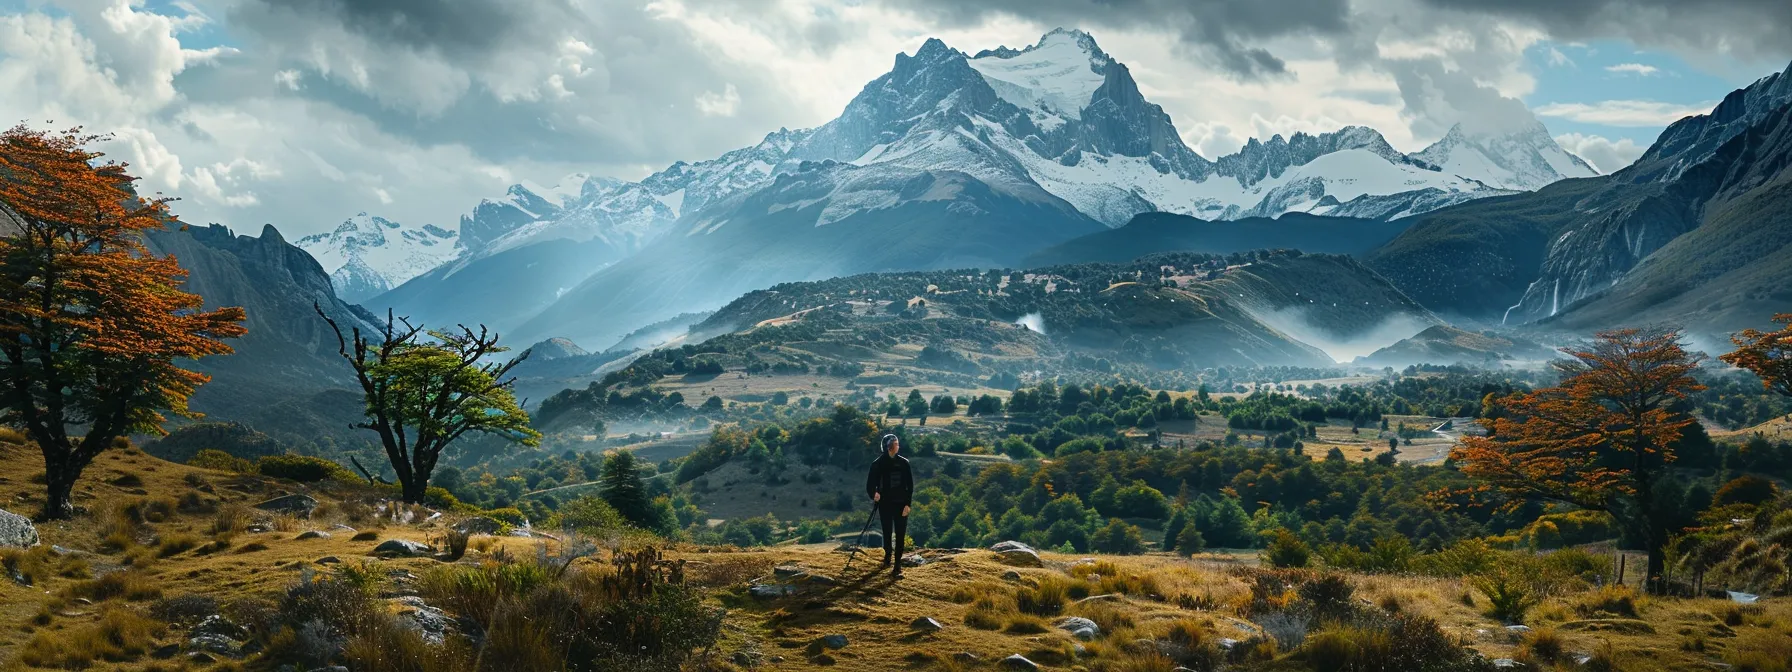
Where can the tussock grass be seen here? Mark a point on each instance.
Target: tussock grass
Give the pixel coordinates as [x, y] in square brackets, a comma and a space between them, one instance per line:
[120, 635]
[175, 543]
[1543, 645]
[1046, 598]
[1608, 601]
[131, 585]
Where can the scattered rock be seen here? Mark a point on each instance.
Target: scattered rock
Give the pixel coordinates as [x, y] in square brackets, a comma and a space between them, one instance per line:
[402, 548]
[1109, 597]
[768, 590]
[298, 505]
[1504, 662]
[83, 600]
[966, 657]
[339, 527]
[835, 641]
[1016, 553]
[16, 531]
[201, 658]
[312, 534]
[914, 560]
[1228, 643]
[1011, 575]
[223, 646]
[216, 625]
[746, 659]
[257, 528]
[1079, 627]
[328, 560]
[1019, 662]
[822, 659]
[926, 624]
[428, 621]
[165, 652]
[1739, 598]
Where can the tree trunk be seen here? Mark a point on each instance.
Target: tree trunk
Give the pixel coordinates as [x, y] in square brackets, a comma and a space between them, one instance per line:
[414, 485]
[59, 479]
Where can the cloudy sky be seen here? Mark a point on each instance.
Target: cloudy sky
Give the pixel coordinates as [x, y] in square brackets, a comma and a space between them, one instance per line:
[303, 112]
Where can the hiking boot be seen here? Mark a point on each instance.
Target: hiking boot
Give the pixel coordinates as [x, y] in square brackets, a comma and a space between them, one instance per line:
[886, 562]
[896, 573]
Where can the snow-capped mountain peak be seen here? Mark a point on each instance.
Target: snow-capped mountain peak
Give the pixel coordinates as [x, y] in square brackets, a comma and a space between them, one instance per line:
[1052, 80]
[367, 254]
[1526, 159]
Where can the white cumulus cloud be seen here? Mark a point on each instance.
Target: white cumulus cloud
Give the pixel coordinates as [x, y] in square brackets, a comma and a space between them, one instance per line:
[1633, 69]
[722, 104]
[1636, 113]
[1605, 154]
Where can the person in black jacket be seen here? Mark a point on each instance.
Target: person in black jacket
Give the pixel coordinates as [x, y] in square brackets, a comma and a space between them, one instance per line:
[891, 486]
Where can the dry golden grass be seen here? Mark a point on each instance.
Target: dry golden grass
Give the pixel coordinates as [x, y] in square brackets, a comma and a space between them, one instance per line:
[984, 614]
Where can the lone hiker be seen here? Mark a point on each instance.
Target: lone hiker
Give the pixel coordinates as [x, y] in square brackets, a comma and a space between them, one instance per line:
[891, 486]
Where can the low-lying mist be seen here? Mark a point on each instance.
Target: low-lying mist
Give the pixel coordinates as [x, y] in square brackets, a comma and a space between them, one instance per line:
[1301, 324]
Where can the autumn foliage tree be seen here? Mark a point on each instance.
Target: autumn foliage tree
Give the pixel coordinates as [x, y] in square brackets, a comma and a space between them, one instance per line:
[425, 389]
[92, 324]
[1767, 353]
[1601, 439]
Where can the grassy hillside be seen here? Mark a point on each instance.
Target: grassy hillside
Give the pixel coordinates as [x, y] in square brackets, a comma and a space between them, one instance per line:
[167, 570]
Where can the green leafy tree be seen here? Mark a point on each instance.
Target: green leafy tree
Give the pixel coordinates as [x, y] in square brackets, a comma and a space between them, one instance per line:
[1119, 538]
[621, 485]
[425, 389]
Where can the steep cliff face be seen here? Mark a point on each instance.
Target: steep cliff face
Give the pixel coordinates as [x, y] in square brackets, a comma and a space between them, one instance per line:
[289, 352]
[1734, 268]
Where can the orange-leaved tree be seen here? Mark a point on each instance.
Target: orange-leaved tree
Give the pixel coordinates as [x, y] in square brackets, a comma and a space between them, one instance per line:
[92, 324]
[1767, 353]
[1601, 439]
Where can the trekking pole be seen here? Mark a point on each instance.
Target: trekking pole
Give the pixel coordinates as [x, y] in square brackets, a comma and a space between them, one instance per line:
[859, 544]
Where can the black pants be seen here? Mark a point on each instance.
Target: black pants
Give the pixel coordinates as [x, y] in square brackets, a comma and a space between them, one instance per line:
[895, 528]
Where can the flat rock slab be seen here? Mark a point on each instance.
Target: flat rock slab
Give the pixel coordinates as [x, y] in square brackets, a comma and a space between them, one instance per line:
[926, 624]
[1016, 553]
[312, 534]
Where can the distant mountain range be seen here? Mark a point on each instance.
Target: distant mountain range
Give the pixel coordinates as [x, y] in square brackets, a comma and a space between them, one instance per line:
[1695, 233]
[948, 159]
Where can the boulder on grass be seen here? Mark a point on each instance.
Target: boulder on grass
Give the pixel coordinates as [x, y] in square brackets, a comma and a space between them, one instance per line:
[1017, 554]
[402, 548]
[16, 531]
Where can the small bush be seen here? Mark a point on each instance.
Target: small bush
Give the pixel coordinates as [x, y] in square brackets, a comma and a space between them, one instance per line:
[1509, 598]
[218, 460]
[455, 543]
[1330, 594]
[1287, 550]
[303, 468]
